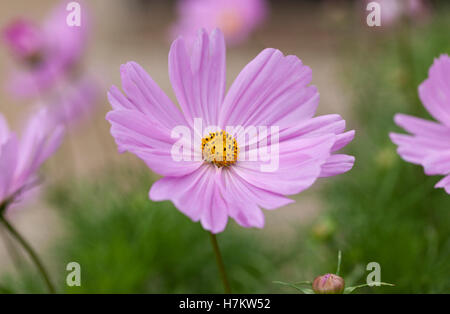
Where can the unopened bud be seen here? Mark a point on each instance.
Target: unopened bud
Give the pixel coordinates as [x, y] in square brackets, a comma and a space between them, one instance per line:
[24, 39]
[328, 284]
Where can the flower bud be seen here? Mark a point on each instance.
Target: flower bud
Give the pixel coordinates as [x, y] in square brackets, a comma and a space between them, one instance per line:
[24, 40]
[328, 284]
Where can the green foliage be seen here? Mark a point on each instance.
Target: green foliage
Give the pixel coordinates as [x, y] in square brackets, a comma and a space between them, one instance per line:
[128, 244]
[387, 210]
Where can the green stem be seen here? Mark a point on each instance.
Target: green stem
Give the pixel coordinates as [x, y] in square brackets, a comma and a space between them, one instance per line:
[406, 56]
[339, 263]
[220, 263]
[15, 255]
[30, 252]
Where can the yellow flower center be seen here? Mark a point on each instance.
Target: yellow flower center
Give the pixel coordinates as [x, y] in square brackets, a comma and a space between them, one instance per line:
[220, 148]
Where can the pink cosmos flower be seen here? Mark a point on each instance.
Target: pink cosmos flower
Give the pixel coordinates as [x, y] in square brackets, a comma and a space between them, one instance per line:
[236, 18]
[21, 159]
[75, 102]
[44, 52]
[272, 90]
[428, 143]
[393, 10]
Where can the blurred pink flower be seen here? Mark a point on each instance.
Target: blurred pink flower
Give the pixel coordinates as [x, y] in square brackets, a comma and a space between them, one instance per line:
[21, 159]
[272, 90]
[236, 18]
[24, 39]
[393, 10]
[50, 58]
[45, 52]
[429, 145]
[76, 102]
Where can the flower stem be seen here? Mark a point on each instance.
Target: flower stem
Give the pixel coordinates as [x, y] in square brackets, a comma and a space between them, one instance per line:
[30, 252]
[15, 255]
[220, 263]
[339, 263]
[405, 51]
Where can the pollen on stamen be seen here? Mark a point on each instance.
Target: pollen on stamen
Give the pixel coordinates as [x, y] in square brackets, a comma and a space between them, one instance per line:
[220, 149]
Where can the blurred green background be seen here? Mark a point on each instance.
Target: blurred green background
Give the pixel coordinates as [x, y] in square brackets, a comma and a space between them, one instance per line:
[384, 210]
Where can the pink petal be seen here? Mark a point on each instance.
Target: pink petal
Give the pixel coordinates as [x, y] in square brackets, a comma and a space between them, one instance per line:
[266, 199]
[438, 163]
[215, 212]
[39, 141]
[182, 191]
[244, 200]
[321, 125]
[4, 130]
[299, 166]
[421, 127]
[317, 126]
[51, 145]
[144, 95]
[271, 90]
[199, 80]
[342, 140]
[337, 164]
[247, 215]
[435, 91]
[119, 101]
[151, 142]
[444, 183]
[415, 149]
[197, 195]
[8, 162]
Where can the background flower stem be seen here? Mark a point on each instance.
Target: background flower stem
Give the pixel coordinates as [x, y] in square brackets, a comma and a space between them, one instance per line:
[407, 61]
[220, 264]
[15, 255]
[30, 252]
[338, 270]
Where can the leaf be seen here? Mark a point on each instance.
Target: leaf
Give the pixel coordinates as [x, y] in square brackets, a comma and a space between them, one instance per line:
[301, 289]
[349, 290]
[305, 282]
